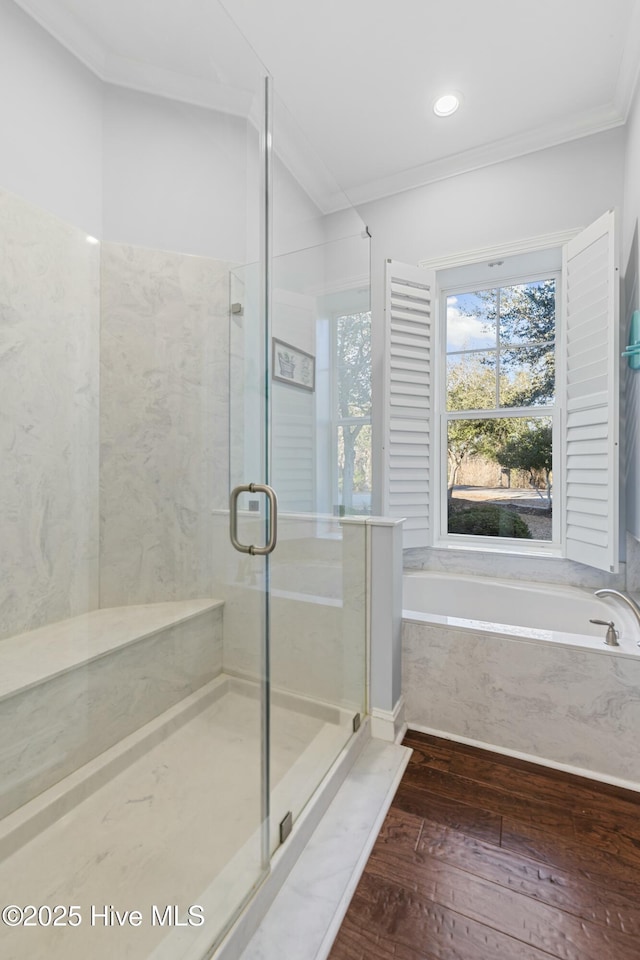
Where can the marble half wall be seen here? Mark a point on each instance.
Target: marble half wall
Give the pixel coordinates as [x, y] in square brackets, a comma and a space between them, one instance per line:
[49, 363]
[318, 606]
[163, 422]
[576, 708]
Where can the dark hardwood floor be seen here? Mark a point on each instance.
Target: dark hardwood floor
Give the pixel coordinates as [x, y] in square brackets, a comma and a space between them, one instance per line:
[485, 857]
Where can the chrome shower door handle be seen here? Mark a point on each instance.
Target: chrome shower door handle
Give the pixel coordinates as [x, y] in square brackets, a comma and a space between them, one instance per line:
[270, 493]
[270, 545]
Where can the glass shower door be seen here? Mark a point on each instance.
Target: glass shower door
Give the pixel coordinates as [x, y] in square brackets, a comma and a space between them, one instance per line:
[293, 573]
[311, 584]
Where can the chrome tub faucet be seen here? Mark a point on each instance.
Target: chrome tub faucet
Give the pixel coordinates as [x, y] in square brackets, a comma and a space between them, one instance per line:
[630, 602]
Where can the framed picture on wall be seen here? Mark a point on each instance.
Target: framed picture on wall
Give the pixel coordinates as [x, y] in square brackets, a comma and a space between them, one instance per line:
[293, 366]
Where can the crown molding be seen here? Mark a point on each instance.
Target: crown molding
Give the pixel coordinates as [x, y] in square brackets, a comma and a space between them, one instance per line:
[171, 85]
[292, 148]
[298, 155]
[595, 121]
[119, 71]
[69, 32]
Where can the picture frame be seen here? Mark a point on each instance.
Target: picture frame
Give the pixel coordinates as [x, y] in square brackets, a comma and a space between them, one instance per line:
[293, 366]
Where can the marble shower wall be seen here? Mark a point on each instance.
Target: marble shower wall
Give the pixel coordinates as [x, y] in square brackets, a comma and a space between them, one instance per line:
[163, 422]
[49, 355]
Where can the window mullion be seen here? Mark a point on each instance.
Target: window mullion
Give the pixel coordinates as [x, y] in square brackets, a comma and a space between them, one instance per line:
[503, 413]
[498, 348]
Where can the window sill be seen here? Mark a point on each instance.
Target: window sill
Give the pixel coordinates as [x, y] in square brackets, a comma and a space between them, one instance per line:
[506, 547]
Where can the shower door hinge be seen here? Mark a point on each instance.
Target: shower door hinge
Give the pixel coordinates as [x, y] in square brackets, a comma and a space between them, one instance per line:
[356, 723]
[286, 826]
[237, 308]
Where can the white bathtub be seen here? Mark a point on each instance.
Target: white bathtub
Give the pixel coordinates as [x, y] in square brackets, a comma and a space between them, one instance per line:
[534, 611]
[517, 668]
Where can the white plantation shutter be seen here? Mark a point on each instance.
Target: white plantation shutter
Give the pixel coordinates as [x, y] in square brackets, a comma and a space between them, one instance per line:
[591, 418]
[293, 412]
[408, 399]
[293, 443]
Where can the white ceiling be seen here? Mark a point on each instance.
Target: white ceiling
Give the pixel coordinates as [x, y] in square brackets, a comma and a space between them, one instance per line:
[360, 76]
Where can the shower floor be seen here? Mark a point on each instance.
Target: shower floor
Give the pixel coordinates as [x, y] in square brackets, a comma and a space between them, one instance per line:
[182, 817]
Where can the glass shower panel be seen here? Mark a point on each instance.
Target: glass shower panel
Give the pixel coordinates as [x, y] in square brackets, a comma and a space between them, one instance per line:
[318, 571]
[133, 761]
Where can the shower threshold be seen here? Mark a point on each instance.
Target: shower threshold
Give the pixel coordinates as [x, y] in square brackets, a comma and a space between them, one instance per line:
[133, 838]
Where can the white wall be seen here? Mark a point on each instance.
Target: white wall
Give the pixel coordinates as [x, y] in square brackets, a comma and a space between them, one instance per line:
[176, 177]
[631, 265]
[297, 222]
[631, 177]
[51, 123]
[131, 167]
[554, 189]
[182, 178]
[560, 188]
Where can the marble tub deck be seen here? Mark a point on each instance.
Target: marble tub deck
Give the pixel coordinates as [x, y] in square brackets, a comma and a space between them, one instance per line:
[157, 830]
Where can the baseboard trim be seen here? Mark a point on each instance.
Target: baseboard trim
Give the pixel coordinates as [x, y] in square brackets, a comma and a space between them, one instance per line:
[530, 758]
[388, 724]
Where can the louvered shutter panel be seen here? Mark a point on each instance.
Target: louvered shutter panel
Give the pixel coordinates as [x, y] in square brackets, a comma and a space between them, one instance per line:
[591, 424]
[293, 451]
[408, 401]
[293, 412]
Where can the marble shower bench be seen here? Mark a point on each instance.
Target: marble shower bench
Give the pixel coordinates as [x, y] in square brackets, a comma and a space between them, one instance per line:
[72, 689]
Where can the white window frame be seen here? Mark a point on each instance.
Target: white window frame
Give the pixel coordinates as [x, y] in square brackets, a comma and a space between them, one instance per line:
[443, 539]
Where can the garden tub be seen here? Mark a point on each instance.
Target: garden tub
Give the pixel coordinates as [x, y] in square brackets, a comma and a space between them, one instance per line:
[537, 611]
[517, 667]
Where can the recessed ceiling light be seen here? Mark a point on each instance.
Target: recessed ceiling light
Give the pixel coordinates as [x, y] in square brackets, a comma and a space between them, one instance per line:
[446, 105]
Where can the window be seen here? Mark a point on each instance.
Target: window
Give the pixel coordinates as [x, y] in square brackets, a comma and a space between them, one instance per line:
[510, 357]
[352, 412]
[499, 413]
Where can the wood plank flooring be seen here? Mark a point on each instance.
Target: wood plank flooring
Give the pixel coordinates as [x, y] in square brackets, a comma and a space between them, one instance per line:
[485, 857]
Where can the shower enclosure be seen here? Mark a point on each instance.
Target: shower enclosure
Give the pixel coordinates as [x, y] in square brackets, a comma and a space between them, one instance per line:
[183, 599]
